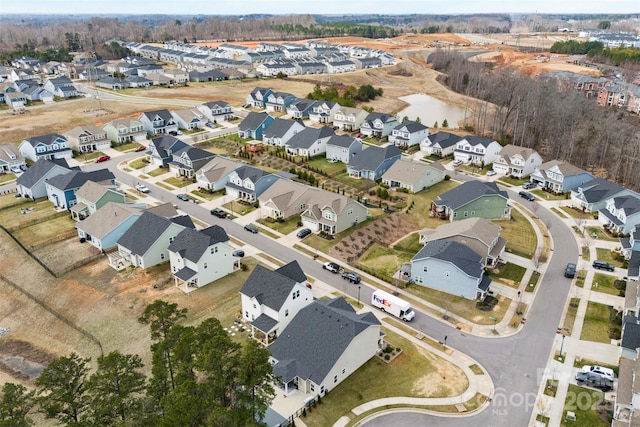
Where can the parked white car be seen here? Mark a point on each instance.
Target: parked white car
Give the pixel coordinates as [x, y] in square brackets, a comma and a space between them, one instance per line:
[605, 372]
[142, 188]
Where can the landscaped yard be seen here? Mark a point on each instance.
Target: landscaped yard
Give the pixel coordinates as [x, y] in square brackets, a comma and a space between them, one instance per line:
[575, 213]
[544, 195]
[158, 171]
[596, 323]
[330, 168]
[126, 147]
[598, 233]
[519, 234]
[604, 283]
[570, 317]
[178, 182]
[510, 275]
[139, 163]
[57, 228]
[13, 217]
[583, 402]
[533, 282]
[419, 215]
[6, 177]
[415, 373]
[284, 227]
[410, 244]
[512, 181]
[605, 255]
[383, 260]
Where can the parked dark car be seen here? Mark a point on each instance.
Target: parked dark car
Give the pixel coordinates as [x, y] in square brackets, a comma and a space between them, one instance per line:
[183, 197]
[252, 228]
[527, 195]
[303, 233]
[601, 265]
[352, 277]
[570, 271]
[594, 380]
[219, 213]
[239, 253]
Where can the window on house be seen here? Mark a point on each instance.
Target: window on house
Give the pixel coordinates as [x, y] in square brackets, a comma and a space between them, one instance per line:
[312, 388]
[171, 239]
[466, 214]
[473, 213]
[298, 293]
[424, 268]
[162, 256]
[246, 314]
[205, 265]
[286, 313]
[417, 279]
[254, 306]
[335, 378]
[343, 371]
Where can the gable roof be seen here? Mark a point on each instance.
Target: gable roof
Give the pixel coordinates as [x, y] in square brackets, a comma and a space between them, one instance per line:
[375, 115]
[251, 172]
[411, 126]
[105, 219]
[163, 114]
[272, 288]
[456, 253]
[316, 338]
[444, 139]
[408, 171]
[284, 192]
[166, 210]
[146, 231]
[216, 104]
[193, 153]
[475, 228]
[308, 136]
[629, 204]
[567, 169]
[599, 189]
[45, 139]
[478, 140]
[79, 131]
[39, 169]
[191, 244]
[278, 128]
[372, 157]
[344, 141]
[252, 121]
[217, 168]
[510, 150]
[467, 192]
[76, 178]
[10, 153]
[167, 143]
[126, 122]
[92, 191]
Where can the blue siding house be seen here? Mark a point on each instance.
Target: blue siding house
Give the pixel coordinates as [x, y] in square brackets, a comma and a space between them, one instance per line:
[372, 162]
[254, 125]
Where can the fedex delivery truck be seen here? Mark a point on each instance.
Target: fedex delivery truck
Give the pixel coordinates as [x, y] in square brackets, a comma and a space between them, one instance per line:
[393, 305]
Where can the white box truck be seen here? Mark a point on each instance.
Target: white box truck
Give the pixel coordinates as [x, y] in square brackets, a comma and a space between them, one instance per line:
[392, 305]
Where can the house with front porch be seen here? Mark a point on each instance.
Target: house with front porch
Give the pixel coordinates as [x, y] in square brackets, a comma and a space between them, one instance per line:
[280, 131]
[189, 118]
[592, 196]
[621, 214]
[323, 112]
[146, 242]
[559, 176]
[258, 97]
[349, 119]
[215, 173]
[32, 182]
[87, 139]
[286, 198]
[473, 199]
[188, 160]
[378, 124]
[373, 161]
[254, 125]
[199, 257]
[271, 299]
[412, 175]
[50, 146]
[477, 150]
[323, 345]
[91, 196]
[248, 182]
[217, 111]
[162, 149]
[517, 161]
[279, 101]
[309, 142]
[300, 109]
[408, 134]
[480, 235]
[451, 267]
[158, 122]
[342, 148]
[61, 189]
[332, 213]
[122, 131]
[10, 157]
[104, 228]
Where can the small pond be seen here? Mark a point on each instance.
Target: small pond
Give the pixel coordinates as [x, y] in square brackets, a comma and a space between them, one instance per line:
[430, 110]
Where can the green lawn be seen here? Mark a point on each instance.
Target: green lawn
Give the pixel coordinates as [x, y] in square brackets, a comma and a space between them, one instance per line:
[330, 168]
[139, 163]
[548, 196]
[519, 234]
[415, 373]
[238, 208]
[383, 260]
[419, 215]
[598, 233]
[580, 276]
[7, 200]
[410, 244]
[126, 147]
[558, 212]
[37, 234]
[596, 323]
[574, 213]
[178, 182]
[13, 217]
[7, 177]
[606, 256]
[583, 402]
[513, 181]
[604, 283]
[206, 195]
[533, 282]
[510, 275]
[284, 227]
[158, 171]
[570, 317]
[586, 253]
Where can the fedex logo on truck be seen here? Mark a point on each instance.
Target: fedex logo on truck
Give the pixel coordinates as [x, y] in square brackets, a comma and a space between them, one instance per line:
[381, 301]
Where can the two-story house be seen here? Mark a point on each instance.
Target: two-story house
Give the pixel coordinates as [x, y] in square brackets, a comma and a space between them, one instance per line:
[158, 122]
[560, 176]
[10, 158]
[91, 196]
[279, 101]
[108, 224]
[88, 138]
[332, 213]
[342, 148]
[473, 199]
[349, 119]
[31, 183]
[216, 111]
[122, 131]
[300, 109]
[408, 133]
[248, 182]
[62, 87]
[477, 150]
[286, 198]
[378, 124]
[50, 146]
[189, 118]
[254, 125]
[199, 257]
[271, 299]
[309, 142]
[162, 149]
[280, 131]
[61, 189]
[373, 161]
[440, 144]
[621, 214]
[215, 173]
[323, 112]
[412, 175]
[188, 160]
[258, 97]
[517, 161]
[451, 267]
[592, 196]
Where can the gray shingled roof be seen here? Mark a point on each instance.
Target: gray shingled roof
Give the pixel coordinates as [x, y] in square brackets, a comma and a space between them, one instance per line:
[629, 204]
[631, 335]
[308, 136]
[265, 323]
[316, 338]
[44, 139]
[163, 114]
[467, 192]
[194, 153]
[372, 157]
[145, 232]
[411, 126]
[444, 139]
[252, 121]
[38, 170]
[341, 141]
[167, 143]
[75, 178]
[293, 271]
[272, 288]
[456, 253]
[478, 140]
[191, 244]
[634, 264]
[278, 128]
[599, 189]
[250, 172]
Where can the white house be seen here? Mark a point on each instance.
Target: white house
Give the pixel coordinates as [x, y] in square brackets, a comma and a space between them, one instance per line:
[280, 131]
[349, 119]
[477, 150]
[408, 133]
[412, 175]
[378, 124]
[517, 161]
[323, 112]
[341, 148]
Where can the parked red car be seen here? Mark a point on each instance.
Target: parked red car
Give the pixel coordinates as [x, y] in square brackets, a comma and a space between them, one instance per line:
[141, 148]
[103, 159]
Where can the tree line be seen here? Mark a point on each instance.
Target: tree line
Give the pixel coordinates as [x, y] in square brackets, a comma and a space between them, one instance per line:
[199, 377]
[347, 97]
[597, 52]
[547, 115]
